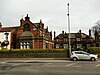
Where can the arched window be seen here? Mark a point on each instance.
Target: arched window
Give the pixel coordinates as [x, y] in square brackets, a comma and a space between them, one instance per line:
[26, 27]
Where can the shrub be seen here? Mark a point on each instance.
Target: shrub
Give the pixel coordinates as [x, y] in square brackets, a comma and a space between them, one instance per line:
[95, 50]
[20, 51]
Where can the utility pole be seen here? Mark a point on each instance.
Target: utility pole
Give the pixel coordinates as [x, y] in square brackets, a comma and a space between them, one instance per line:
[69, 31]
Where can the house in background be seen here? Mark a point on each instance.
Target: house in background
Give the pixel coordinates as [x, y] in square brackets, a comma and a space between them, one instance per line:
[78, 40]
[27, 35]
[97, 38]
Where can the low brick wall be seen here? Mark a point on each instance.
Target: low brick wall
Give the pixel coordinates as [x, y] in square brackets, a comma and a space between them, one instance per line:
[34, 55]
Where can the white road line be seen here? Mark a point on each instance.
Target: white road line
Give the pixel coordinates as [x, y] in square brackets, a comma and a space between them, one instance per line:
[2, 62]
[97, 65]
[70, 64]
[46, 64]
[75, 66]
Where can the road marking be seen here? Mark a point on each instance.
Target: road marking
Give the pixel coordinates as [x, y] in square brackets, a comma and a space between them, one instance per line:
[2, 62]
[46, 64]
[75, 66]
[97, 65]
[70, 64]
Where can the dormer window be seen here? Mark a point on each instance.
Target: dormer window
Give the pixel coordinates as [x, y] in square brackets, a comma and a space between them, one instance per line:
[57, 40]
[78, 39]
[26, 27]
[65, 39]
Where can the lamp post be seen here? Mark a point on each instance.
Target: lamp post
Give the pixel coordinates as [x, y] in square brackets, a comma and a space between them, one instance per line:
[69, 31]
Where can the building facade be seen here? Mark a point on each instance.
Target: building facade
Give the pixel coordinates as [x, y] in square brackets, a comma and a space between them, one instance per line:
[97, 38]
[27, 35]
[77, 40]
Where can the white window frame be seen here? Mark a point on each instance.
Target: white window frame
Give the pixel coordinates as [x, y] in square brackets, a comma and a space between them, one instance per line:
[79, 45]
[78, 39]
[65, 45]
[57, 45]
[65, 40]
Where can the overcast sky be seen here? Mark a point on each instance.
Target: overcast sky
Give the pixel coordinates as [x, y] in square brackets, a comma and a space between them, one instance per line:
[83, 13]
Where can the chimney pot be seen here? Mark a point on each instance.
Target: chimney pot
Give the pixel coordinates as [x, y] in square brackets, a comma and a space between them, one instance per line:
[62, 32]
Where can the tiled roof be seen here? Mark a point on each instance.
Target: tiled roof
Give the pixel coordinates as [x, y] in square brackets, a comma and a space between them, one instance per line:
[27, 33]
[84, 35]
[72, 35]
[8, 29]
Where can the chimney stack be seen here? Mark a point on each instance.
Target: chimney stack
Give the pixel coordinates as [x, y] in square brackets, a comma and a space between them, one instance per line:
[79, 31]
[0, 25]
[51, 35]
[54, 34]
[21, 21]
[89, 33]
[40, 21]
[62, 32]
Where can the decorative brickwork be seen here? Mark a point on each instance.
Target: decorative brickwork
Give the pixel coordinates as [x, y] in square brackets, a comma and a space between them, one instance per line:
[29, 35]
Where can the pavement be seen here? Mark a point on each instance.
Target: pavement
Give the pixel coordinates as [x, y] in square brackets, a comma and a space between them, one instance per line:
[34, 60]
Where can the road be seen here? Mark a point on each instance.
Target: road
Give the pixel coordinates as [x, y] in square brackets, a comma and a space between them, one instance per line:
[50, 68]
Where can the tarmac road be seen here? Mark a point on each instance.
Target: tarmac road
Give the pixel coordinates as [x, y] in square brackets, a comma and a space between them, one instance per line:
[49, 67]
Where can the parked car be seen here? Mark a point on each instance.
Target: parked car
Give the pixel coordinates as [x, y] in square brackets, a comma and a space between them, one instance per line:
[82, 55]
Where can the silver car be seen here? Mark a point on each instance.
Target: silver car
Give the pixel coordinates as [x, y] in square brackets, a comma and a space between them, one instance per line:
[82, 55]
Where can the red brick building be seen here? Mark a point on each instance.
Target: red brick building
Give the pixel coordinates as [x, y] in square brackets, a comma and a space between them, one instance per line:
[29, 35]
[97, 38]
[78, 40]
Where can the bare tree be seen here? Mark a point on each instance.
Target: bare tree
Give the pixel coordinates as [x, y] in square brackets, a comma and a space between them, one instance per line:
[96, 29]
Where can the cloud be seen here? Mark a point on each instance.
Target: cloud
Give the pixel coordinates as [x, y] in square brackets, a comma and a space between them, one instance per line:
[83, 13]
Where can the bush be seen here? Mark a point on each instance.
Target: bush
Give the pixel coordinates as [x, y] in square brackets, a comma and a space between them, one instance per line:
[20, 51]
[95, 50]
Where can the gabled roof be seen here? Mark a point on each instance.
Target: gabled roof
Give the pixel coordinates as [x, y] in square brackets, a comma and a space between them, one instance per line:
[22, 22]
[27, 34]
[72, 35]
[37, 25]
[84, 35]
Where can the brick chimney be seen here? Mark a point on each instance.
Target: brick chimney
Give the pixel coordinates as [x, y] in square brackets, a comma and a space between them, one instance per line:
[89, 33]
[79, 31]
[62, 32]
[51, 35]
[80, 34]
[40, 21]
[0, 25]
[54, 34]
[21, 21]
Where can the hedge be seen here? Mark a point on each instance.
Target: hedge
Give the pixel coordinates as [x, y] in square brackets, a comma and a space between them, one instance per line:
[95, 50]
[20, 51]
[23, 51]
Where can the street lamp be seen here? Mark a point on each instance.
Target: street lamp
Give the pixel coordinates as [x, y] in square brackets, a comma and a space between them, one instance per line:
[69, 30]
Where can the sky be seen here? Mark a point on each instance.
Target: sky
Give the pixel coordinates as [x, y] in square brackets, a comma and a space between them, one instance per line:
[83, 13]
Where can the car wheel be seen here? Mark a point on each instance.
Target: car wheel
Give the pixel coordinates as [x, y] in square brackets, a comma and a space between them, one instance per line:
[74, 59]
[93, 59]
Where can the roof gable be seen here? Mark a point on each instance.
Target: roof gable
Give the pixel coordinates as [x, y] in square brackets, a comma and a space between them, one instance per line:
[72, 35]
